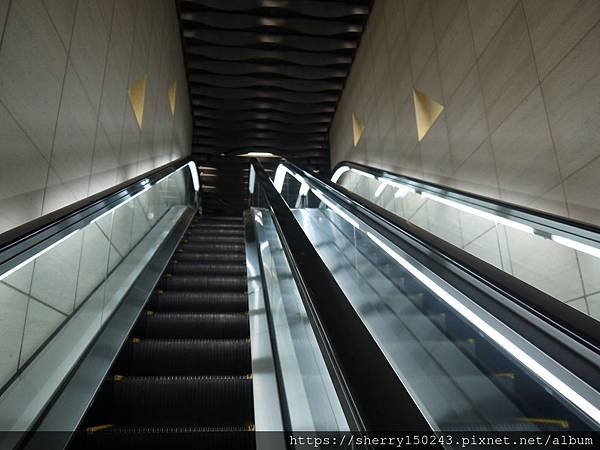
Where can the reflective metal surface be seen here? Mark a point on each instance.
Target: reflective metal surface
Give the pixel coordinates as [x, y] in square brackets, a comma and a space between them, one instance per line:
[310, 398]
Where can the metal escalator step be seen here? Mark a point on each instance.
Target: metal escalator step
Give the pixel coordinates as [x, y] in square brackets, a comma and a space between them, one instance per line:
[186, 255]
[181, 400]
[217, 224]
[208, 247]
[217, 239]
[231, 283]
[219, 219]
[215, 232]
[185, 301]
[192, 326]
[161, 438]
[185, 357]
[206, 268]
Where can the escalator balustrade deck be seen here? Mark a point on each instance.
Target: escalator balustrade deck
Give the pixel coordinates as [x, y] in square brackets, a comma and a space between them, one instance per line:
[183, 378]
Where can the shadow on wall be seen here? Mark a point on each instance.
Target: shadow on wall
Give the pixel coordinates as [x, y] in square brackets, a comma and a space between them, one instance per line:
[519, 83]
[75, 118]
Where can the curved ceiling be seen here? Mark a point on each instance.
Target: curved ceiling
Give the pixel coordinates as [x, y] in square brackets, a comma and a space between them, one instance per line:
[266, 75]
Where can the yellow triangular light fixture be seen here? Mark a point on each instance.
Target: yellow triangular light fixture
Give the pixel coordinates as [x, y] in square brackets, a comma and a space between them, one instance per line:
[172, 93]
[426, 111]
[357, 127]
[137, 94]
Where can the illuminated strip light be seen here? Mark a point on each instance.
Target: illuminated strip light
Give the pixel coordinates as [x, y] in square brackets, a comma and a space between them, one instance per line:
[380, 189]
[403, 189]
[252, 179]
[565, 390]
[279, 177]
[336, 209]
[258, 217]
[195, 177]
[338, 173]
[593, 251]
[364, 174]
[37, 255]
[478, 212]
[304, 188]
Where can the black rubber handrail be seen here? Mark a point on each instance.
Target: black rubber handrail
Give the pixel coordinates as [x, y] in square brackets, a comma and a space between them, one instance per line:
[491, 288]
[370, 392]
[18, 244]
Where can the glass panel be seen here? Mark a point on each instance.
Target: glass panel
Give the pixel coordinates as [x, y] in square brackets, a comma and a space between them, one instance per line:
[37, 298]
[309, 392]
[562, 268]
[464, 368]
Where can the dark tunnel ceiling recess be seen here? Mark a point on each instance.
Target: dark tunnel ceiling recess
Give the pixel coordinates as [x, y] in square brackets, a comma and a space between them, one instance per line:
[266, 75]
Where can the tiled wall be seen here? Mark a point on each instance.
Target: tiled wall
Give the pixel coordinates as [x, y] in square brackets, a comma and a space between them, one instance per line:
[520, 84]
[67, 129]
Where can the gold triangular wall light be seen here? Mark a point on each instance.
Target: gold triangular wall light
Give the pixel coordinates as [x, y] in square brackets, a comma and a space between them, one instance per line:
[172, 96]
[137, 94]
[426, 111]
[357, 127]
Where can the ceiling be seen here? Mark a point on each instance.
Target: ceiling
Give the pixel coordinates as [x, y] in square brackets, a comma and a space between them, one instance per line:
[266, 75]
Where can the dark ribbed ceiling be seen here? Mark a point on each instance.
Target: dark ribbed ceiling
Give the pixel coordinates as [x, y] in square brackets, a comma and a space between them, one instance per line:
[266, 75]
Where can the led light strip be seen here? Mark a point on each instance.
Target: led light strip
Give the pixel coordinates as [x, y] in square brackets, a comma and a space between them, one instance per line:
[580, 247]
[37, 255]
[380, 189]
[479, 213]
[339, 172]
[280, 178]
[560, 386]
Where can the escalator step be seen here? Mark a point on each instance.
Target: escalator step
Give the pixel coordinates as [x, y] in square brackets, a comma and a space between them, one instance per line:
[219, 219]
[181, 401]
[199, 301]
[185, 357]
[231, 283]
[215, 232]
[207, 247]
[216, 224]
[161, 438]
[181, 268]
[186, 255]
[218, 239]
[192, 326]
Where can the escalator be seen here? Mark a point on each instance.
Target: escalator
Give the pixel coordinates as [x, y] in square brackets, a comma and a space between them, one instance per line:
[183, 378]
[314, 312]
[471, 383]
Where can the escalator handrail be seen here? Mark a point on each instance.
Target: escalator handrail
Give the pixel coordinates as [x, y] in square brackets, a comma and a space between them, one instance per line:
[371, 395]
[534, 314]
[544, 224]
[23, 242]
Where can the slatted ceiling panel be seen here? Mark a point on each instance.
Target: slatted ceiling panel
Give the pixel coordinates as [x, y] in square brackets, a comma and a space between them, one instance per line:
[266, 75]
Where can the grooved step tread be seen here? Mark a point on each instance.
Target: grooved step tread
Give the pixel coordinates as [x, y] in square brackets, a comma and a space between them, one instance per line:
[175, 400]
[185, 357]
[193, 325]
[199, 301]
